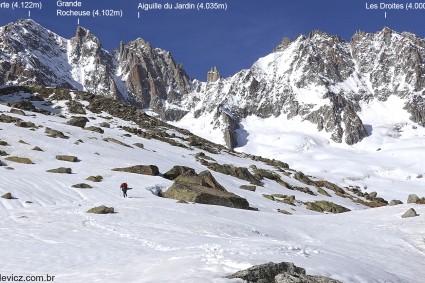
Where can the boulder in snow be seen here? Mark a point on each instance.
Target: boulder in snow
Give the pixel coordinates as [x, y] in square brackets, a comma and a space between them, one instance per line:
[284, 272]
[116, 141]
[7, 196]
[412, 198]
[82, 186]
[105, 125]
[94, 129]
[23, 124]
[55, 133]
[373, 195]
[101, 210]
[17, 111]
[248, 188]
[78, 121]
[150, 170]
[8, 119]
[238, 172]
[4, 143]
[69, 158]
[395, 202]
[61, 170]
[409, 213]
[203, 188]
[176, 171]
[22, 160]
[75, 107]
[326, 206]
[97, 178]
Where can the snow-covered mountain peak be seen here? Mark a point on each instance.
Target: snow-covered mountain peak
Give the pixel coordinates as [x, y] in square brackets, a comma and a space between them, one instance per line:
[33, 55]
[84, 34]
[318, 35]
[319, 77]
[27, 34]
[283, 44]
[323, 79]
[349, 114]
[140, 43]
[92, 66]
[25, 25]
[86, 44]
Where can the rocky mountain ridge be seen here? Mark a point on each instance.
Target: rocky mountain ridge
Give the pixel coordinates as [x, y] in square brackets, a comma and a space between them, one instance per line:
[137, 73]
[319, 77]
[324, 79]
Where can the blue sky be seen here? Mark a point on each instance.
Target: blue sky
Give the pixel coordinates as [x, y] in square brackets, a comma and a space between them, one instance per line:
[232, 39]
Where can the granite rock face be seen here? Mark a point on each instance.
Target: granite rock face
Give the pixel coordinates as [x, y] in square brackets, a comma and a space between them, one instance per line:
[47, 59]
[152, 77]
[41, 51]
[213, 75]
[137, 73]
[231, 125]
[324, 79]
[92, 66]
[203, 188]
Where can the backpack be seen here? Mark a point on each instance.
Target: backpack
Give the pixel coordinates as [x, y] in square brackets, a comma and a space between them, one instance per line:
[124, 186]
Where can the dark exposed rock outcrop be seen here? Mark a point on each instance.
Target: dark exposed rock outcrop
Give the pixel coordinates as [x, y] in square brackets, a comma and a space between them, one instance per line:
[101, 210]
[176, 171]
[354, 128]
[203, 188]
[7, 196]
[153, 77]
[230, 135]
[151, 170]
[326, 206]
[412, 198]
[75, 107]
[78, 121]
[61, 170]
[82, 186]
[238, 172]
[284, 272]
[69, 158]
[55, 133]
[97, 178]
[23, 160]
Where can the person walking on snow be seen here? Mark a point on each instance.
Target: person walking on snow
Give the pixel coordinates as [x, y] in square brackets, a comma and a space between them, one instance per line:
[124, 189]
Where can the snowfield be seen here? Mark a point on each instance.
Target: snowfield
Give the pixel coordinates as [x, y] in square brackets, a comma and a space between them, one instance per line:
[154, 239]
[390, 161]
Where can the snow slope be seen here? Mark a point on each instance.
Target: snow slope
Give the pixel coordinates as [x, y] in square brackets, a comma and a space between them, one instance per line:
[152, 239]
[389, 161]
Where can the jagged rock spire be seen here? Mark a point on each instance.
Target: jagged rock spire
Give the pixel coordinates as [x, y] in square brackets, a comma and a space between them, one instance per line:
[213, 75]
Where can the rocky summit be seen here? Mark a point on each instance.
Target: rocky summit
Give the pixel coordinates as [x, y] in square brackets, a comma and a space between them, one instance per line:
[136, 73]
[325, 80]
[319, 78]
